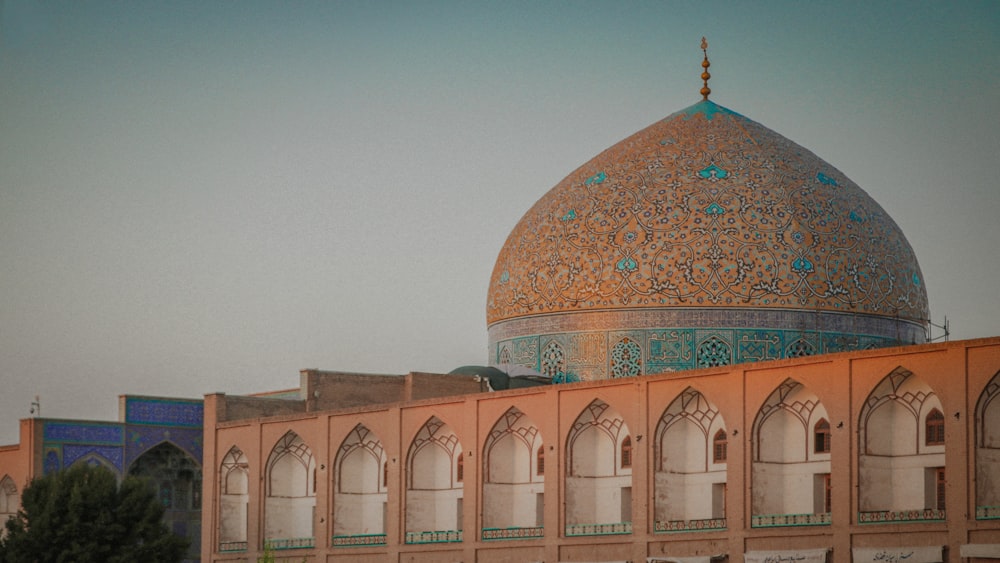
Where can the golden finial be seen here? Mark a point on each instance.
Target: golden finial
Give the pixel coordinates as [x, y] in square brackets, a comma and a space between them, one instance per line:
[705, 90]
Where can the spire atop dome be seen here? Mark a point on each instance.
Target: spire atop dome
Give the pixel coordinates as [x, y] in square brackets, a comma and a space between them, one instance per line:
[705, 90]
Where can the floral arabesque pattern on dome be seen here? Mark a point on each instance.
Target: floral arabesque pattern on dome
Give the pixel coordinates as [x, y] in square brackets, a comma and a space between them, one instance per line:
[706, 208]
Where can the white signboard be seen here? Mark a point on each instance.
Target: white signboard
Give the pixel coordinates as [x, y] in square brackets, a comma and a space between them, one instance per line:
[924, 554]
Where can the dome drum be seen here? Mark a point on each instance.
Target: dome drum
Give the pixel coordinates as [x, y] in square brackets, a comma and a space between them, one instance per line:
[594, 345]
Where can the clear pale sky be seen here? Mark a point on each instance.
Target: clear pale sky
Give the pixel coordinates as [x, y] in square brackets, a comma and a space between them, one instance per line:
[209, 196]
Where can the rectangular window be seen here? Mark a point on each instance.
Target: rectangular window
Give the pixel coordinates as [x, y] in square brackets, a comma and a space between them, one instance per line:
[718, 500]
[821, 493]
[627, 452]
[719, 447]
[939, 481]
[822, 437]
[934, 434]
[934, 488]
[626, 515]
[827, 494]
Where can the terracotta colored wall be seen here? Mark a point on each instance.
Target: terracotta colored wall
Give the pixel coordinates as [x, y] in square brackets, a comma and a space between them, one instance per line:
[958, 372]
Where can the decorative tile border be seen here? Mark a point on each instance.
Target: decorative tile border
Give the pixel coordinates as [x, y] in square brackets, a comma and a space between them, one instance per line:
[689, 525]
[232, 546]
[616, 528]
[290, 543]
[775, 520]
[587, 349]
[358, 540]
[890, 516]
[513, 533]
[436, 536]
[988, 513]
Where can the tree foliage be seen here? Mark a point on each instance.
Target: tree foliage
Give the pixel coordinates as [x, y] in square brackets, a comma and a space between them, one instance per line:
[82, 515]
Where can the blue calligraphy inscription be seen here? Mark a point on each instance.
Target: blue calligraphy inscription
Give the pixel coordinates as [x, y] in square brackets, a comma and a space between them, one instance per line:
[83, 433]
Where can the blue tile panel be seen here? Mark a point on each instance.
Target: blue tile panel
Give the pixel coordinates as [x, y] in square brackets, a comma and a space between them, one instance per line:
[164, 412]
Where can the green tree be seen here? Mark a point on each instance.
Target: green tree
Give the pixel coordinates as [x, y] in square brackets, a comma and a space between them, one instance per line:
[82, 515]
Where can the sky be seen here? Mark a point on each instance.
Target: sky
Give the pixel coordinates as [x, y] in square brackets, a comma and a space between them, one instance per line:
[201, 197]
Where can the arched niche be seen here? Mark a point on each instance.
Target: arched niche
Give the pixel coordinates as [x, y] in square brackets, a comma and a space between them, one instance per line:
[789, 478]
[176, 478]
[513, 480]
[598, 483]
[290, 493]
[988, 451]
[434, 476]
[360, 487]
[690, 465]
[10, 501]
[898, 471]
[234, 498]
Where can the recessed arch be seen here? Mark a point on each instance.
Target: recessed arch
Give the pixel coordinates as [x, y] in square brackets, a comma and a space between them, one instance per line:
[513, 486]
[10, 500]
[434, 494]
[689, 482]
[176, 478]
[234, 498]
[598, 488]
[897, 468]
[987, 451]
[788, 472]
[290, 493]
[360, 485]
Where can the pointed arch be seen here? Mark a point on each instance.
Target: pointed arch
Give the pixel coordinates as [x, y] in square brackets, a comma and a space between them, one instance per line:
[987, 451]
[360, 487]
[553, 359]
[176, 475]
[513, 480]
[689, 478]
[714, 351]
[626, 358]
[897, 468]
[800, 348]
[934, 428]
[10, 500]
[290, 493]
[434, 494]
[598, 488]
[94, 459]
[787, 469]
[504, 357]
[234, 498]
[625, 457]
[720, 447]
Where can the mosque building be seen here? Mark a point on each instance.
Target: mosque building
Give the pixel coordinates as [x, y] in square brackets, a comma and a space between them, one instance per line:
[156, 438]
[739, 337]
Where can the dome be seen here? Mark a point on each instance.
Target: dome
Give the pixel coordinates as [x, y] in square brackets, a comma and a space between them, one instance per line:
[704, 239]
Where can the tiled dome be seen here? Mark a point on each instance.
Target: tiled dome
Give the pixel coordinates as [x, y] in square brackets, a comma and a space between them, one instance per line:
[703, 221]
